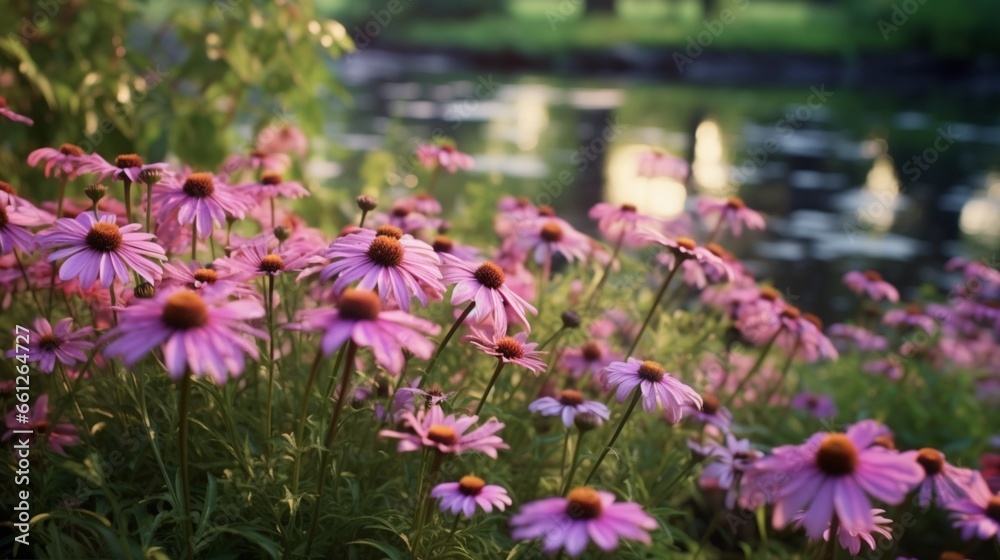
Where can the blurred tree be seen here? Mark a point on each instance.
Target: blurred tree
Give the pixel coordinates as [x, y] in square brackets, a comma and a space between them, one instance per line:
[600, 7]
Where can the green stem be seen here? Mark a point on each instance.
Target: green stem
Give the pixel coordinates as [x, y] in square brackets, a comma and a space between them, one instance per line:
[182, 420]
[544, 279]
[444, 341]
[128, 199]
[784, 372]
[27, 281]
[149, 208]
[635, 400]
[270, 361]
[551, 338]
[604, 274]
[652, 308]
[435, 176]
[425, 503]
[753, 370]
[830, 549]
[364, 214]
[300, 426]
[493, 380]
[575, 462]
[194, 239]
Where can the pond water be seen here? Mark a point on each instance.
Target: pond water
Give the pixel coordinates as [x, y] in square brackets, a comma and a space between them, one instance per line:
[896, 179]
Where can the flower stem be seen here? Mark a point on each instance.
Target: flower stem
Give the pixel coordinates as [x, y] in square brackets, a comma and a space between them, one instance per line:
[604, 275]
[544, 279]
[551, 338]
[715, 230]
[270, 359]
[652, 308]
[27, 281]
[575, 462]
[149, 208]
[128, 199]
[635, 400]
[784, 372]
[424, 504]
[272, 214]
[753, 370]
[364, 214]
[194, 239]
[435, 176]
[493, 380]
[182, 412]
[300, 426]
[830, 549]
[444, 341]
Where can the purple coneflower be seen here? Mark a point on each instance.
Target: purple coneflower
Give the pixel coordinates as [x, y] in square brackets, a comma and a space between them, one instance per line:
[200, 332]
[255, 160]
[851, 540]
[548, 235]
[978, 515]
[126, 167]
[282, 139]
[432, 429]
[727, 463]
[508, 349]
[891, 368]
[616, 222]
[397, 265]
[944, 483]
[444, 156]
[66, 161]
[910, 317]
[468, 493]
[847, 337]
[97, 248]
[654, 163]
[732, 211]
[200, 200]
[872, 284]
[656, 386]
[359, 317]
[585, 514]
[13, 227]
[484, 286]
[196, 276]
[831, 476]
[448, 249]
[801, 335]
[710, 412]
[46, 344]
[272, 185]
[58, 435]
[592, 357]
[16, 117]
[260, 257]
[567, 405]
[421, 202]
[818, 406]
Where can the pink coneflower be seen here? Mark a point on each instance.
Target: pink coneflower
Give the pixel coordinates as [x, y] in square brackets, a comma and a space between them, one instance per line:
[200, 332]
[890, 368]
[199, 199]
[468, 493]
[683, 248]
[656, 385]
[196, 276]
[99, 249]
[272, 185]
[592, 357]
[871, 284]
[801, 334]
[910, 317]
[710, 412]
[13, 227]
[654, 163]
[46, 344]
[732, 211]
[585, 514]
[944, 483]
[548, 236]
[66, 161]
[447, 248]
[851, 540]
[484, 285]
[125, 166]
[256, 160]
[508, 349]
[567, 405]
[848, 337]
[421, 202]
[831, 476]
[701, 274]
[58, 435]
[398, 266]
[16, 117]
[432, 429]
[978, 515]
[727, 464]
[283, 139]
[359, 317]
[818, 406]
[259, 257]
[617, 222]
[444, 156]
[406, 219]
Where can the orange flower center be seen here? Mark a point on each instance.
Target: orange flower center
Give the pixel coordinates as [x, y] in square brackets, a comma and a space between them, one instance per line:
[569, 397]
[628, 208]
[591, 351]
[199, 185]
[270, 178]
[873, 276]
[125, 161]
[583, 503]
[185, 310]
[791, 312]
[651, 371]
[104, 237]
[444, 435]
[552, 232]
[710, 403]
[686, 243]
[271, 264]
[837, 455]
[389, 231]
[206, 275]
[769, 293]
[510, 348]
[71, 150]
[490, 275]
[735, 202]
[443, 244]
[931, 460]
[360, 305]
[48, 342]
[993, 508]
[471, 485]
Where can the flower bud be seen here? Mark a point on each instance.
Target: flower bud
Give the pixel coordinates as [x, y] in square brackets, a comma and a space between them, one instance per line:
[282, 233]
[150, 176]
[145, 290]
[95, 192]
[586, 421]
[366, 203]
[570, 319]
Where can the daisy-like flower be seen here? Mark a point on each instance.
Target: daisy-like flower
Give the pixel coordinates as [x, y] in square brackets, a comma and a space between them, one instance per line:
[66, 161]
[711, 412]
[359, 317]
[444, 156]
[46, 344]
[468, 493]
[260, 257]
[430, 428]
[944, 483]
[890, 367]
[847, 337]
[818, 406]
[421, 202]
[16, 117]
[195, 276]
[198, 198]
[871, 284]
[654, 163]
[617, 222]
[509, 349]
[201, 332]
[727, 464]
[656, 385]
[732, 211]
[404, 217]
[910, 317]
[802, 334]
[978, 515]
[255, 160]
[484, 285]
[272, 185]
[592, 357]
[97, 248]
[685, 249]
[58, 436]
[399, 266]
[13, 227]
[126, 166]
[833, 474]
[447, 248]
[567, 405]
[283, 139]
[852, 540]
[585, 514]
[548, 235]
